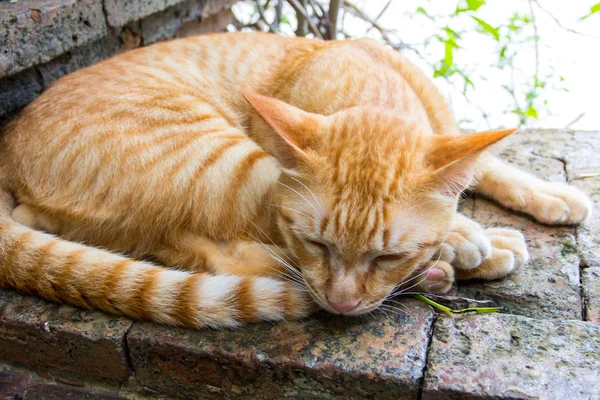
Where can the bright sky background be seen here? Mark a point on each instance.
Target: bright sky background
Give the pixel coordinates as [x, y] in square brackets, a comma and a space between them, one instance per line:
[562, 53]
[575, 57]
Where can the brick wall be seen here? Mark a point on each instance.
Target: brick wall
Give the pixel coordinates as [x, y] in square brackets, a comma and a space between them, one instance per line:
[42, 40]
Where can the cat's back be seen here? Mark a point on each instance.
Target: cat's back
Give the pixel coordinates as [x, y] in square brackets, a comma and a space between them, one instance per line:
[163, 87]
[144, 123]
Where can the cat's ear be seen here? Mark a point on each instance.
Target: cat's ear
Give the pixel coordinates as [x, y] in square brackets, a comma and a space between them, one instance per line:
[296, 129]
[454, 158]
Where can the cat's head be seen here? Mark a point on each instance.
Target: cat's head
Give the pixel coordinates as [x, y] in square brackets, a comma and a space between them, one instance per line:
[366, 196]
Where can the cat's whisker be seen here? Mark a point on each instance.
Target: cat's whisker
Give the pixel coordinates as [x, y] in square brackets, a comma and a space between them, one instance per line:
[399, 305]
[399, 290]
[286, 278]
[394, 310]
[265, 247]
[419, 205]
[294, 276]
[284, 264]
[312, 194]
[418, 283]
[396, 304]
[290, 277]
[270, 240]
[296, 211]
[299, 194]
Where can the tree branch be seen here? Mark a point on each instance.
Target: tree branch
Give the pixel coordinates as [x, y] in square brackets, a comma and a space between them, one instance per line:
[357, 12]
[302, 28]
[261, 13]
[537, 3]
[334, 9]
[302, 11]
[278, 12]
[536, 41]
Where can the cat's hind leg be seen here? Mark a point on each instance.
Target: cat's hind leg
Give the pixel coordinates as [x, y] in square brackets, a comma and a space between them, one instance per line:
[238, 257]
[552, 203]
[34, 218]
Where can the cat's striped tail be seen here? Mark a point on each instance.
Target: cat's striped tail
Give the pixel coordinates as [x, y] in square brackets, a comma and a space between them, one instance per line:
[33, 262]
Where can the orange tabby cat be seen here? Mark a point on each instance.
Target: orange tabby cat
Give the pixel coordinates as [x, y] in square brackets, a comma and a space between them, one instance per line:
[348, 165]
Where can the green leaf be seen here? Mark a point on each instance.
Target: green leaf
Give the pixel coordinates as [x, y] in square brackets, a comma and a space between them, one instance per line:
[452, 34]
[468, 82]
[531, 112]
[423, 11]
[472, 5]
[487, 28]
[530, 96]
[443, 69]
[284, 20]
[502, 54]
[449, 54]
[593, 9]
[475, 4]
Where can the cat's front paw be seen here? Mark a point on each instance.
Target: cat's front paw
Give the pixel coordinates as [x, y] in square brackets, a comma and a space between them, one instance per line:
[472, 252]
[508, 252]
[467, 245]
[558, 203]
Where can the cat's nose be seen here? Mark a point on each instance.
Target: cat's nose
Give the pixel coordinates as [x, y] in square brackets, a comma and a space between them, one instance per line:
[343, 306]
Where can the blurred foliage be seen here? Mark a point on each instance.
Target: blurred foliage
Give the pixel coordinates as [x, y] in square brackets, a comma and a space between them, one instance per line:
[319, 18]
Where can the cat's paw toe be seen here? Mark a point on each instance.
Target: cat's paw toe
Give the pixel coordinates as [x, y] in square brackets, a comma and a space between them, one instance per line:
[511, 240]
[559, 203]
[509, 250]
[438, 279]
[466, 246]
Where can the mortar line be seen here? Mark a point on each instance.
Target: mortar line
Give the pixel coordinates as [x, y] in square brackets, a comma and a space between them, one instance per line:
[426, 364]
[126, 349]
[581, 267]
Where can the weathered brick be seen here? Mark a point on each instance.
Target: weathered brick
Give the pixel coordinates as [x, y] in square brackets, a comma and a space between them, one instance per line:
[588, 234]
[62, 341]
[121, 12]
[512, 357]
[35, 32]
[185, 19]
[17, 91]
[16, 383]
[213, 23]
[583, 165]
[373, 357]
[590, 278]
[79, 57]
[548, 287]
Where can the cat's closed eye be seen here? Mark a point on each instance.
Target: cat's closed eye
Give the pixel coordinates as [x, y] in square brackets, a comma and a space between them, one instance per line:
[319, 245]
[389, 259]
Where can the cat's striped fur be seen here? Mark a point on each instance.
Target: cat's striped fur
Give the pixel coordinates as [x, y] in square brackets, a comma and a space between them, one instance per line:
[156, 152]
